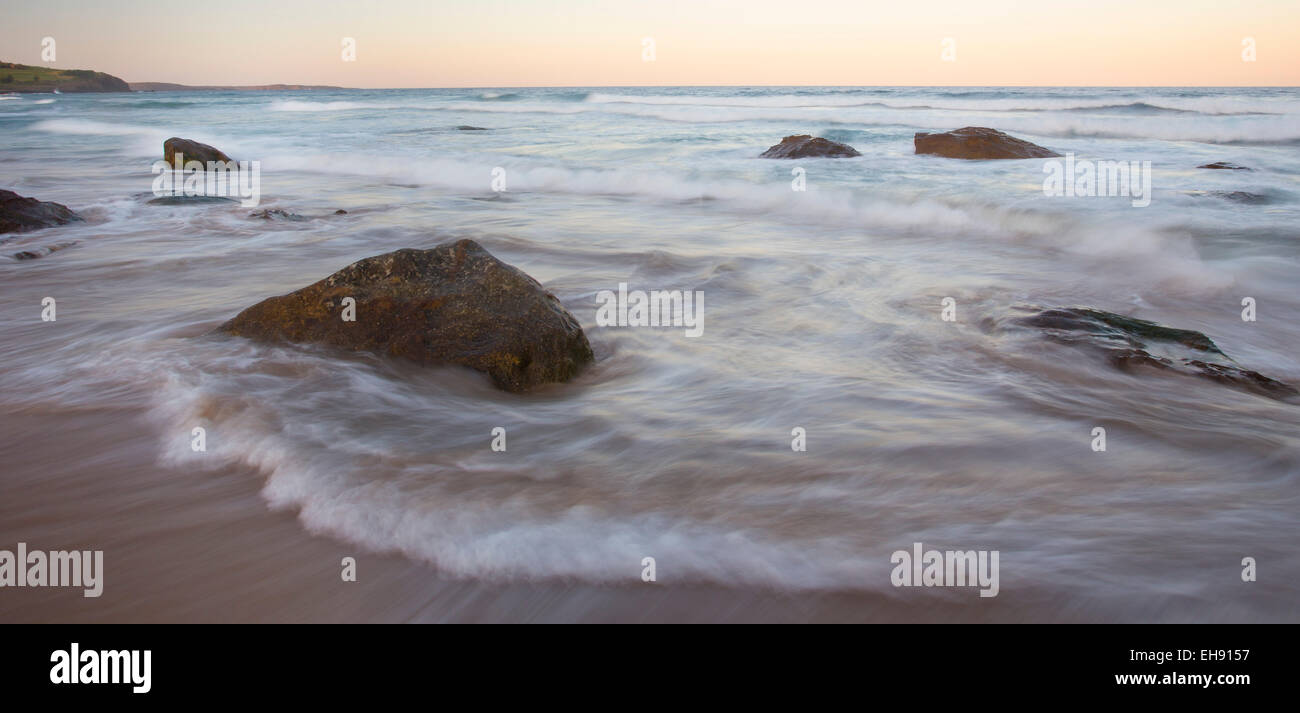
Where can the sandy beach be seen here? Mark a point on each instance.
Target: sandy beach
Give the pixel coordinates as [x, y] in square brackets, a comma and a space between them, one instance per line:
[185, 547]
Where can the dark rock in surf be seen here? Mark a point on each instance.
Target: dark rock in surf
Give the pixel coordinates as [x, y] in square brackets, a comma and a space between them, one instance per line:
[1082, 324]
[276, 214]
[42, 251]
[1129, 343]
[190, 151]
[975, 142]
[455, 303]
[1225, 166]
[190, 200]
[805, 146]
[19, 214]
[1245, 197]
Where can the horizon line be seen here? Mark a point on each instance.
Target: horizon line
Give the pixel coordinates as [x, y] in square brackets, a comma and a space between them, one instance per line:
[734, 86]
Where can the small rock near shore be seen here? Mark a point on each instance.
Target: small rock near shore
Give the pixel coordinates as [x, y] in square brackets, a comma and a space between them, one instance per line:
[805, 146]
[42, 251]
[276, 214]
[19, 214]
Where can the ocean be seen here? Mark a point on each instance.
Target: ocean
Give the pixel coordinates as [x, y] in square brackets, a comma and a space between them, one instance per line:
[822, 313]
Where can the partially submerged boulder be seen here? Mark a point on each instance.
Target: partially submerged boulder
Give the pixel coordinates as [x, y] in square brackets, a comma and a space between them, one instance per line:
[1242, 197]
[276, 214]
[19, 214]
[1129, 343]
[976, 142]
[454, 303]
[190, 151]
[805, 146]
[190, 200]
[42, 251]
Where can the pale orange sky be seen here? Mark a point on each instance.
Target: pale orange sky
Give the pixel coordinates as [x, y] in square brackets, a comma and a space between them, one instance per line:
[488, 43]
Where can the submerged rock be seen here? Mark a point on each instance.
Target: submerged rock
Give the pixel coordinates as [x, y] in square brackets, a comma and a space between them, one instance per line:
[190, 151]
[190, 200]
[19, 214]
[1129, 343]
[455, 303]
[42, 251]
[1225, 166]
[276, 214]
[805, 146]
[1242, 197]
[975, 142]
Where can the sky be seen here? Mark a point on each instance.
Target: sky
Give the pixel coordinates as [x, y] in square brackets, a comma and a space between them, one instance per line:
[515, 43]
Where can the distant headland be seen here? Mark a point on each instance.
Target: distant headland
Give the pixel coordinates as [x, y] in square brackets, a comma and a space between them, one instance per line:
[28, 79]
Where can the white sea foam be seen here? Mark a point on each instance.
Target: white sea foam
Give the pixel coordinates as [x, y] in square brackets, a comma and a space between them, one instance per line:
[1205, 105]
[1261, 128]
[89, 127]
[311, 106]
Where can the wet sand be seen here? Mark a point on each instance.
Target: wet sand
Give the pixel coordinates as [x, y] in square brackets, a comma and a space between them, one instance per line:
[204, 547]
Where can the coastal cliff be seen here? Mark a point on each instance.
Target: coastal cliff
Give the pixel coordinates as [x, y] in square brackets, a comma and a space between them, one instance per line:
[26, 79]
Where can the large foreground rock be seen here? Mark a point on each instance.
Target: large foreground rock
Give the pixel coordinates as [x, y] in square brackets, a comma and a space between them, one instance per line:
[805, 146]
[975, 142]
[19, 214]
[455, 303]
[1129, 343]
[191, 151]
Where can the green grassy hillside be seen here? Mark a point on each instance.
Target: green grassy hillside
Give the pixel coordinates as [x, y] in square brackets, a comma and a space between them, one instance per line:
[26, 78]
